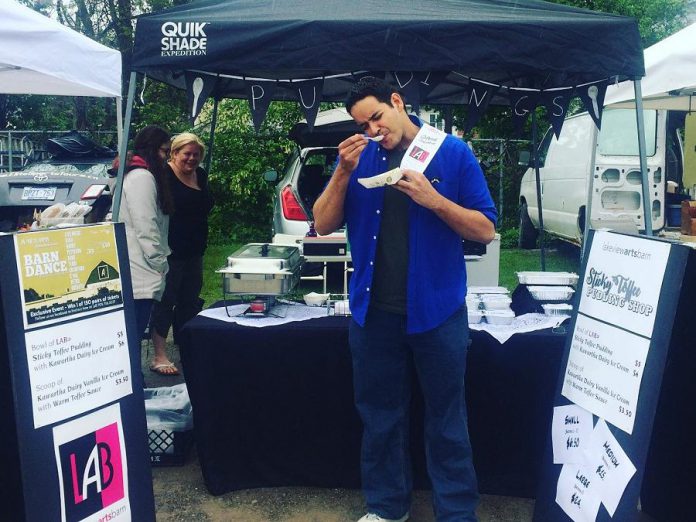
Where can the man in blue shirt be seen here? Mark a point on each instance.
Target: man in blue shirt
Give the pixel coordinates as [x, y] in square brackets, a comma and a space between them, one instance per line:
[407, 298]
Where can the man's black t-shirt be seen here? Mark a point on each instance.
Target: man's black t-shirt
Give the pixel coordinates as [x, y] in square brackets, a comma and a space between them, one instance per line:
[391, 262]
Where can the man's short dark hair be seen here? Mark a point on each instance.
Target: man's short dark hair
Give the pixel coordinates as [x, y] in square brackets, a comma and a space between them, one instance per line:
[370, 86]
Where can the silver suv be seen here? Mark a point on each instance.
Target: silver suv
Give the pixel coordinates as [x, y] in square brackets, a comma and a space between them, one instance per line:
[307, 173]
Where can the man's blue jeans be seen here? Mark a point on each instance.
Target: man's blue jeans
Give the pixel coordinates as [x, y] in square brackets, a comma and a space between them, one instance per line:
[383, 355]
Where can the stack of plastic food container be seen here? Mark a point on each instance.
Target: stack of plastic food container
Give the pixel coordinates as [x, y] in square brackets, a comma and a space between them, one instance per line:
[553, 290]
[490, 304]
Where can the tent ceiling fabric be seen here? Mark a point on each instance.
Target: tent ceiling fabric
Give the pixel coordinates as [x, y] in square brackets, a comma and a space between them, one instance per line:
[670, 80]
[40, 56]
[527, 44]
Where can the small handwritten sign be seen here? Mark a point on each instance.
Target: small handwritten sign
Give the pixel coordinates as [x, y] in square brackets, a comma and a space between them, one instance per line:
[571, 430]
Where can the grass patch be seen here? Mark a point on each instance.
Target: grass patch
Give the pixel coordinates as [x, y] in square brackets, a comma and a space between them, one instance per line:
[560, 257]
[215, 257]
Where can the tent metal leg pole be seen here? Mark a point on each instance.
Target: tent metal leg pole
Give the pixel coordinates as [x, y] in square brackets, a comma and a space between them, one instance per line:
[501, 150]
[590, 191]
[122, 150]
[119, 120]
[11, 149]
[211, 141]
[647, 200]
[537, 176]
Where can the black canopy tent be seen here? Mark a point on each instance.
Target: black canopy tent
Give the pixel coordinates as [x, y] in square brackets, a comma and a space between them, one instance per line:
[471, 52]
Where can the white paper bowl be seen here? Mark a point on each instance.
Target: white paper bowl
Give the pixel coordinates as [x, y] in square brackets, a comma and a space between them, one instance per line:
[314, 299]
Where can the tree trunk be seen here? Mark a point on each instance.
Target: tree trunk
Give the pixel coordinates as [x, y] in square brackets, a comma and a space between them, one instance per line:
[80, 113]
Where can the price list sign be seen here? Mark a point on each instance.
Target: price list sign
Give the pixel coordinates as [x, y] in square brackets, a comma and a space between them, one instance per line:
[78, 366]
[615, 322]
[75, 331]
[611, 380]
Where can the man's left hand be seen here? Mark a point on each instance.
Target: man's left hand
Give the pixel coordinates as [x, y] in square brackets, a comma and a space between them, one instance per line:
[419, 188]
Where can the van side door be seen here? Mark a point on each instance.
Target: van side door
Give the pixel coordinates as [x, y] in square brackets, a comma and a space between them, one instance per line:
[565, 176]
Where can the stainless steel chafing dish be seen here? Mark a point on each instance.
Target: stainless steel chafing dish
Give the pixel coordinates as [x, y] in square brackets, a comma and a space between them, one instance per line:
[262, 269]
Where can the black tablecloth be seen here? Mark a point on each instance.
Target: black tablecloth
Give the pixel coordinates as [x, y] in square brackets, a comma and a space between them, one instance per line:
[273, 406]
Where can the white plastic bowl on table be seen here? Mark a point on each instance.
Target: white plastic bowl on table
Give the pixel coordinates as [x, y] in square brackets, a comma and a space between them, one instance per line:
[496, 302]
[315, 299]
[547, 278]
[499, 316]
[551, 293]
[557, 309]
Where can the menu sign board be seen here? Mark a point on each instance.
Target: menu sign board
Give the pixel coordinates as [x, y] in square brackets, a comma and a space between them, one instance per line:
[74, 366]
[611, 377]
[75, 419]
[616, 317]
[77, 366]
[623, 280]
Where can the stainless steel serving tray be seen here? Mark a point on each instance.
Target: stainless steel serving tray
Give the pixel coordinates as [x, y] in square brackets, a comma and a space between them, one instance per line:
[262, 269]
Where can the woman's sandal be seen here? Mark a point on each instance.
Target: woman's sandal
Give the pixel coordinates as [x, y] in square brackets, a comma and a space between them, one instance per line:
[167, 369]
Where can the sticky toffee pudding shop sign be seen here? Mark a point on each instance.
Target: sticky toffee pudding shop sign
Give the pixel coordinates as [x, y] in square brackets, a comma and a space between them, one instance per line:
[610, 379]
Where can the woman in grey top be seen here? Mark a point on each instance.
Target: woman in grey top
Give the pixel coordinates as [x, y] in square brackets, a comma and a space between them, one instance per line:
[145, 208]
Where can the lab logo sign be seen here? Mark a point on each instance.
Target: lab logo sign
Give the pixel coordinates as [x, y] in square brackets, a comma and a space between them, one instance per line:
[184, 39]
[103, 272]
[92, 468]
[419, 154]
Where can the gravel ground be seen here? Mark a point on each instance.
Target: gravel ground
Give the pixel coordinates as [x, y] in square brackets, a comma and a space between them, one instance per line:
[180, 496]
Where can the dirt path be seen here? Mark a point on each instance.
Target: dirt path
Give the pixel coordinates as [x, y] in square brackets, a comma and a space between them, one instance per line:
[181, 496]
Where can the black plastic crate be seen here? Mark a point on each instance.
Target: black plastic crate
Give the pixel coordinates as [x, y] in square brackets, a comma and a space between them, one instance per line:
[169, 448]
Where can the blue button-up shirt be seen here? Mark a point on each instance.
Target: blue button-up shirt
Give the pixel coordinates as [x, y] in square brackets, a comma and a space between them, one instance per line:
[436, 280]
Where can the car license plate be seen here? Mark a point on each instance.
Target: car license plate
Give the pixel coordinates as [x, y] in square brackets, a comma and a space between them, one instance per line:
[44, 193]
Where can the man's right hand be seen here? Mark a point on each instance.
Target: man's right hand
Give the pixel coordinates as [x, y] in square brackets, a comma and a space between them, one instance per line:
[349, 152]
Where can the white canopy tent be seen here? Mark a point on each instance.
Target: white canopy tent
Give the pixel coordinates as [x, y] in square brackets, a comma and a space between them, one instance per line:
[41, 56]
[670, 76]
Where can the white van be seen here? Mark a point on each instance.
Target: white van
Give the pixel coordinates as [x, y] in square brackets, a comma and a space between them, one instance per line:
[565, 164]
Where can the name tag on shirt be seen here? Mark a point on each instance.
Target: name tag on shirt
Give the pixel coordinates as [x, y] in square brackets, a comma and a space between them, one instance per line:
[417, 157]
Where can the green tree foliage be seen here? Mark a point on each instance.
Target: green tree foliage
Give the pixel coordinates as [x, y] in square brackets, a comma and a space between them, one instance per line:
[657, 19]
[243, 200]
[161, 105]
